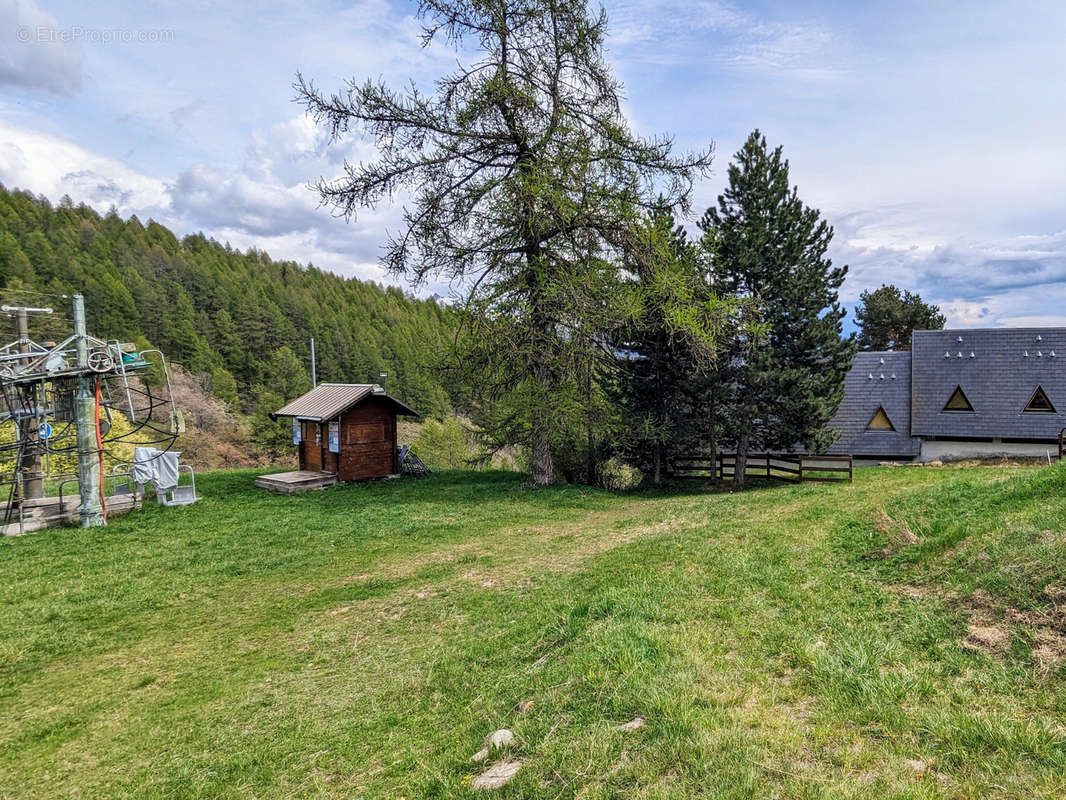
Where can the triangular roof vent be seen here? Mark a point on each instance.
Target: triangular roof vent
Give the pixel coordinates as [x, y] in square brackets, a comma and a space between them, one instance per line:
[1039, 402]
[958, 401]
[880, 421]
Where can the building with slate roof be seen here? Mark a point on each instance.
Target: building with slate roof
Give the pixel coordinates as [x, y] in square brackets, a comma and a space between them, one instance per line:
[957, 394]
[874, 418]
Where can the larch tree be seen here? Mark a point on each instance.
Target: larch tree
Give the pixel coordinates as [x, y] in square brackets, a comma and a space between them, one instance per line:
[524, 181]
[781, 388]
[887, 318]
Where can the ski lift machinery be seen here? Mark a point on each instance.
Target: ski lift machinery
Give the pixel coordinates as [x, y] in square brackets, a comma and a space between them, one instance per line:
[62, 400]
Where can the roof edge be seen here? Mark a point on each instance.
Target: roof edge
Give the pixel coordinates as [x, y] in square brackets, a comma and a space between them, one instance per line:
[401, 407]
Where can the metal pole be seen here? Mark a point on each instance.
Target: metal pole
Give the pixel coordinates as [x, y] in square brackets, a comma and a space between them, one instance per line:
[85, 420]
[26, 426]
[32, 479]
[314, 375]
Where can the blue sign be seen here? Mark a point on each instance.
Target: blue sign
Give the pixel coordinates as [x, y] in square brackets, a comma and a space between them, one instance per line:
[44, 430]
[335, 436]
[296, 438]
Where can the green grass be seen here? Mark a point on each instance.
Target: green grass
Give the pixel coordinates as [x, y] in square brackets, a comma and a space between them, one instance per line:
[787, 641]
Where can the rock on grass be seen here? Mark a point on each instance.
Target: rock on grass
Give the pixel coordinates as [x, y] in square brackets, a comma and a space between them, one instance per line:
[497, 740]
[497, 775]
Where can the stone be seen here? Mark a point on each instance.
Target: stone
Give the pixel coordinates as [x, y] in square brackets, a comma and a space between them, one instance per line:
[497, 775]
[480, 755]
[634, 724]
[497, 740]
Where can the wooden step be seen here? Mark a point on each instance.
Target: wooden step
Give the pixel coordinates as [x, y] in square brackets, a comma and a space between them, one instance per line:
[298, 481]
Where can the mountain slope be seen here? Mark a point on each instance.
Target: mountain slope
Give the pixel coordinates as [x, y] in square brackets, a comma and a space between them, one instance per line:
[218, 311]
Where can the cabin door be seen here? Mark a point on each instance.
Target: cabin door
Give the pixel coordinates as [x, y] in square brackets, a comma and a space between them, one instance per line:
[311, 447]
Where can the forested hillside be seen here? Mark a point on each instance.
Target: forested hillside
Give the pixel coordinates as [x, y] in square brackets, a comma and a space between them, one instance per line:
[220, 312]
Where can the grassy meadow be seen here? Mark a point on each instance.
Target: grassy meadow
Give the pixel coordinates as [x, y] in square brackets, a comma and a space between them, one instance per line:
[899, 637]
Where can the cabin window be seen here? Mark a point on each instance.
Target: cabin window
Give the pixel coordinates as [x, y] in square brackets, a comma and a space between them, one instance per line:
[880, 421]
[958, 401]
[1039, 403]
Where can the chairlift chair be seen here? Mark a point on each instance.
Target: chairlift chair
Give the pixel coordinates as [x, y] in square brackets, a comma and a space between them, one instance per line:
[180, 495]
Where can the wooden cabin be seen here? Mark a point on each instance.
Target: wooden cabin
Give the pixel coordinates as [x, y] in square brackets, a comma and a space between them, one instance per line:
[346, 430]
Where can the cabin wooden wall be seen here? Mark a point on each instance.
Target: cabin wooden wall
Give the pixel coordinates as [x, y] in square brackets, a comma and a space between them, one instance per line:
[368, 442]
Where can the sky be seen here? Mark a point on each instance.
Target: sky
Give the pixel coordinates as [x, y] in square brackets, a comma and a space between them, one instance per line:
[932, 135]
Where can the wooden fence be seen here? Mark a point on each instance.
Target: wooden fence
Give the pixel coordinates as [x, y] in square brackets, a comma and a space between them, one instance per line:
[789, 467]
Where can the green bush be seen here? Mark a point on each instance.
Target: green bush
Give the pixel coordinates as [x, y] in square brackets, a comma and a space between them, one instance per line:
[618, 476]
[444, 444]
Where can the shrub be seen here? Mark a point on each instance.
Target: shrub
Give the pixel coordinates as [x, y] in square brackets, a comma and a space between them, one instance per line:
[618, 476]
[443, 444]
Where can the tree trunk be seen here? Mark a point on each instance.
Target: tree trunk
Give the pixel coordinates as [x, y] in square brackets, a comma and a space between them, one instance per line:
[661, 421]
[541, 422]
[741, 466]
[542, 472]
[590, 467]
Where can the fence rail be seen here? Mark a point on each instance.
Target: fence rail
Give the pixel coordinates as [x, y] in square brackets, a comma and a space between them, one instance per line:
[789, 467]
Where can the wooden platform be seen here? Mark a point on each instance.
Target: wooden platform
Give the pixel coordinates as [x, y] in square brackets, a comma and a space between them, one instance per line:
[298, 481]
[47, 512]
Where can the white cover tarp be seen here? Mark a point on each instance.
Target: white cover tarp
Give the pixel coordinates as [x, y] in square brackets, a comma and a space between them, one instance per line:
[157, 467]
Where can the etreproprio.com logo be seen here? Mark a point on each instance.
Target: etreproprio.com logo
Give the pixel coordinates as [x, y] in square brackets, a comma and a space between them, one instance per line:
[49, 34]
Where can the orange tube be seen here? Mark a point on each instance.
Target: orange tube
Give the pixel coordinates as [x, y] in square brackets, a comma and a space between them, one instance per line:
[100, 452]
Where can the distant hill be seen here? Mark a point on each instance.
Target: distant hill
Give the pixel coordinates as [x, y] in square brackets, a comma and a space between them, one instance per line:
[218, 311]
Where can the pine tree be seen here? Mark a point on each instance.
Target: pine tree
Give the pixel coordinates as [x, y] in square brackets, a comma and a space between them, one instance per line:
[780, 389]
[286, 375]
[887, 318]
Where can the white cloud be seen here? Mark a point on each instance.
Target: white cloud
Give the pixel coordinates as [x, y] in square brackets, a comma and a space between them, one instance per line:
[54, 167]
[219, 199]
[266, 204]
[976, 281]
[1039, 321]
[33, 54]
[671, 32]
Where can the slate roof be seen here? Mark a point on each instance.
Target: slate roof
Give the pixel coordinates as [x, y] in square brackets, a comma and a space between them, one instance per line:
[329, 400]
[876, 379]
[1005, 368]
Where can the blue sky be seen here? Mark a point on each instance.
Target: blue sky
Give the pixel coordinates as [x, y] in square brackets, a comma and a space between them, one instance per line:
[932, 135]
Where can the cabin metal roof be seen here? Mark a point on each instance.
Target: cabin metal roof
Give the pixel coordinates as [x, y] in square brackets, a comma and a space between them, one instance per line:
[998, 370]
[329, 400]
[877, 379]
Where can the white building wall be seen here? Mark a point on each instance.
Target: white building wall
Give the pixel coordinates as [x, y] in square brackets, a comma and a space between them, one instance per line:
[954, 451]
